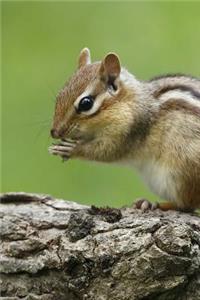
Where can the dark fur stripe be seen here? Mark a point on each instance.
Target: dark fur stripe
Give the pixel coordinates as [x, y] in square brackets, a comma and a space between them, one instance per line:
[176, 75]
[184, 88]
[179, 105]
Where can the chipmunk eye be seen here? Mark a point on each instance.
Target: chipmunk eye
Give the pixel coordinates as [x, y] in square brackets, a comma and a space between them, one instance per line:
[85, 104]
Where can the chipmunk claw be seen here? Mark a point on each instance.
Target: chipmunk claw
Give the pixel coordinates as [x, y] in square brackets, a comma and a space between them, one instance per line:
[145, 205]
[64, 148]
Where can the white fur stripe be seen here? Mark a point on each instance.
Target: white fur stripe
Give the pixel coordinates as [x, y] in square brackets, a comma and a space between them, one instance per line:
[184, 95]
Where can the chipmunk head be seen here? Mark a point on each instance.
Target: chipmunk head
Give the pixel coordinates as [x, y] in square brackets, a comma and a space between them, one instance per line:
[91, 101]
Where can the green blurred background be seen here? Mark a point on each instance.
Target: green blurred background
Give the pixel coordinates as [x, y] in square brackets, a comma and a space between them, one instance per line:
[40, 45]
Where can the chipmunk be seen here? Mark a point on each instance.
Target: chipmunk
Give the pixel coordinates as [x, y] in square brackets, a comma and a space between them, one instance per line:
[105, 114]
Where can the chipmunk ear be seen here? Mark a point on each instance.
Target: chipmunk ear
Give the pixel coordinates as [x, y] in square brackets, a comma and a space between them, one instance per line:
[110, 68]
[84, 58]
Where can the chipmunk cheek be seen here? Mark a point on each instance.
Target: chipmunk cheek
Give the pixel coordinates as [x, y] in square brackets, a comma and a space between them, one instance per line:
[87, 130]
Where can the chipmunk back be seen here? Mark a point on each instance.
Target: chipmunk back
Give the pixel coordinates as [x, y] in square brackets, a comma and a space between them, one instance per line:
[105, 114]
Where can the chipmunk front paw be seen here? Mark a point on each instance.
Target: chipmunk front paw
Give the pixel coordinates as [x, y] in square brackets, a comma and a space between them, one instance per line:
[64, 149]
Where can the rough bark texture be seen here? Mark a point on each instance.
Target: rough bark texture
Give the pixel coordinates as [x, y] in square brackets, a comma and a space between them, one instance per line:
[56, 249]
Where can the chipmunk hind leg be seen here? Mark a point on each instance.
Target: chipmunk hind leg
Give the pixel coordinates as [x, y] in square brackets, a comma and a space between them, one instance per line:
[145, 205]
[168, 205]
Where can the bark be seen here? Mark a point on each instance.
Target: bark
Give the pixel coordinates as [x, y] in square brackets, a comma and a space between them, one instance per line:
[54, 249]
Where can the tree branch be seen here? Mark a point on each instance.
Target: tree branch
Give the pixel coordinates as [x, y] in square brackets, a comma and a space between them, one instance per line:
[56, 249]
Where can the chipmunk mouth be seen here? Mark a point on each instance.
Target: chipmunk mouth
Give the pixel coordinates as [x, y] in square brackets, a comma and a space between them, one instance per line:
[69, 141]
[79, 135]
[71, 132]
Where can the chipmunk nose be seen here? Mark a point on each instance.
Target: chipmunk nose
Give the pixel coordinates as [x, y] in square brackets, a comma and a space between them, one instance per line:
[55, 133]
